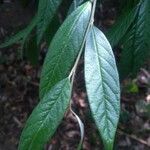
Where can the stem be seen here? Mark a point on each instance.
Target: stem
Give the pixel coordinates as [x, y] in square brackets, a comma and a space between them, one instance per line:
[81, 125]
[73, 71]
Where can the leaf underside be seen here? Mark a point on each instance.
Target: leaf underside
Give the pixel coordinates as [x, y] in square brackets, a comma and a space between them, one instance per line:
[46, 117]
[102, 84]
[64, 48]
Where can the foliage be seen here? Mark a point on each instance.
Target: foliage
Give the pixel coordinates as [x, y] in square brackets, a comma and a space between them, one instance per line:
[75, 36]
[132, 31]
[72, 32]
[46, 9]
[46, 117]
[103, 95]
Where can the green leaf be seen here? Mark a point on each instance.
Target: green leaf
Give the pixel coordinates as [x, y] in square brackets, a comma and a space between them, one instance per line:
[102, 84]
[74, 5]
[136, 44]
[52, 29]
[31, 49]
[14, 39]
[46, 11]
[22, 35]
[125, 64]
[121, 26]
[46, 117]
[126, 4]
[64, 48]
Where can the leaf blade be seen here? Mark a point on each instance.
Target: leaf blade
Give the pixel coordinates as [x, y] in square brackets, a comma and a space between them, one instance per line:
[102, 84]
[121, 26]
[74, 5]
[61, 55]
[21, 35]
[46, 117]
[136, 44]
[31, 50]
[46, 12]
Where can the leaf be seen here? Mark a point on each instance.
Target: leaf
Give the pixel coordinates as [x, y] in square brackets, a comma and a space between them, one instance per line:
[64, 48]
[46, 11]
[31, 50]
[125, 4]
[46, 117]
[22, 35]
[14, 39]
[52, 29]
[121, 26]
[102, 84]
[136, 46]
[125, 65]
[81, 126]
[74, 5]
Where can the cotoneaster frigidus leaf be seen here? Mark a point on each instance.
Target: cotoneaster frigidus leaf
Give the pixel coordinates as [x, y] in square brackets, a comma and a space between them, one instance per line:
[126, 4]
[52, 29]
[64, 48]
[21, 35]
[121, 26]
[46, 12]
[102, 84]
[136, 44]
[31, 49]
[46, 117]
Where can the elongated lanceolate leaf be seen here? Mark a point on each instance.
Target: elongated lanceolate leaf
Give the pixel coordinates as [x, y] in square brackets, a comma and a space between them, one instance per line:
[46, 11]
[22, 35]
[121, 26]
[102, 84]
[136, 45]
[64, 48]
[46, 117]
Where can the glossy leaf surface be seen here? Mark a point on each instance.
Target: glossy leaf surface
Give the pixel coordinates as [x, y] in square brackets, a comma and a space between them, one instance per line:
[102, 84]
[64, 48]
[46, 117]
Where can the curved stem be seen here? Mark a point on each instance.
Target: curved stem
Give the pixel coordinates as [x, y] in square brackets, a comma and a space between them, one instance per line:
[81, 126]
